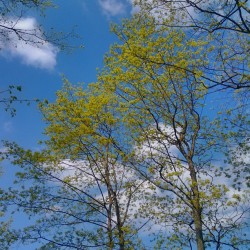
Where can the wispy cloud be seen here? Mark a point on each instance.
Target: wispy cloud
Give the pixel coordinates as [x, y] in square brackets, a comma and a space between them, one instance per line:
[7, 127]
[30, 47]
[112, 7]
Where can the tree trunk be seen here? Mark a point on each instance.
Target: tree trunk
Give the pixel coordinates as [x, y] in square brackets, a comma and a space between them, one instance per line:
[113, 201]
[109, 229]
[119, 223]
[196, 208]
[198, 229]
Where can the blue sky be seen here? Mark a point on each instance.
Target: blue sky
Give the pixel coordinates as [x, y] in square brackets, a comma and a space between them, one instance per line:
[40, 70]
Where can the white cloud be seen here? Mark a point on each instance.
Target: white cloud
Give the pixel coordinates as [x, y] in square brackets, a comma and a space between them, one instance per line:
[30, 48]
[112, 7]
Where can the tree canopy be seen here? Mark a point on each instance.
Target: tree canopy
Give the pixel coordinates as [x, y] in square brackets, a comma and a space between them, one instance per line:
[224, 24]
[150, 156]
[212, 16]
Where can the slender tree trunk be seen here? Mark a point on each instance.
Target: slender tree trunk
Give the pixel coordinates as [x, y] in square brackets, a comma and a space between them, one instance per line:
[110, 234]
[119, 223]
[196, 208]
[198, 229]
[114, 201]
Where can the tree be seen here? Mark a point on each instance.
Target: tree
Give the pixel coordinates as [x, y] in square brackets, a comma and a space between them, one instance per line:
[224, 23]
[210, 16]
[175, 142]
[7, 98]
[7, 235]
[146, 136]
[83, 195]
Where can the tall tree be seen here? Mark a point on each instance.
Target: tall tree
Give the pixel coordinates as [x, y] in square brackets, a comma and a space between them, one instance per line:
[149, 136]
[175, 141]
[80, 190]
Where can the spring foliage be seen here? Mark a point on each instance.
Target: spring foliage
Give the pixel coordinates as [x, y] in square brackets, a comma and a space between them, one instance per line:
[147, 148]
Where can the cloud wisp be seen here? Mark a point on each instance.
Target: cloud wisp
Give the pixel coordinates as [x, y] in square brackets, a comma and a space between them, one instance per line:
[27, 44]
[112, 7]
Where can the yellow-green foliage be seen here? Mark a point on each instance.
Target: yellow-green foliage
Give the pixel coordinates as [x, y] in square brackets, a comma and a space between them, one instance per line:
[77, 117]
